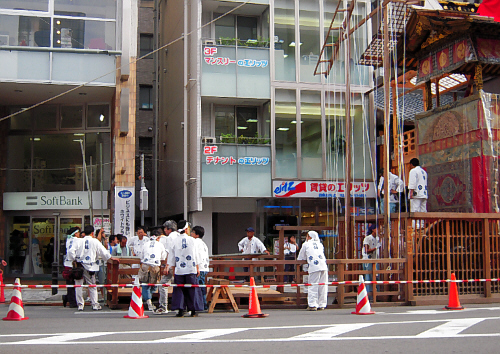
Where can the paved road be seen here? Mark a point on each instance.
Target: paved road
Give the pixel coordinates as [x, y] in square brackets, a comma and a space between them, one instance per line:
[394, 330]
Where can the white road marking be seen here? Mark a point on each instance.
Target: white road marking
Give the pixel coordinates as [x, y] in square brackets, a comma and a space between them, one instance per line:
[445, 328]
[438, 312]
[329, 332]
[450, 328]
[202, 335]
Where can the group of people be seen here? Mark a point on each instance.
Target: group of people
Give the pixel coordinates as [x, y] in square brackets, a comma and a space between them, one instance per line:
[417, 190]
[171, 253]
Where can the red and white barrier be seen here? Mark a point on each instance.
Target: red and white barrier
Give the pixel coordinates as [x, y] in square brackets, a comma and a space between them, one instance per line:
[348, 282]
[363, 303]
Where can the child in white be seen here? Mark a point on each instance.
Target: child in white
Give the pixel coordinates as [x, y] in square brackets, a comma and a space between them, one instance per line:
[313, 251]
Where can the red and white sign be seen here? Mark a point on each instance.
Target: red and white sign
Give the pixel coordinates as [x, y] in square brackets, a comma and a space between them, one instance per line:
[319, 189]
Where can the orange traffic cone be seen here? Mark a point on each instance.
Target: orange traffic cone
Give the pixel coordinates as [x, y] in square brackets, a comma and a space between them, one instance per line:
[363, 303]
[16, 309]
[231, 270]
[136, 309]
[2, 295]
[253, 303]
[453, 302]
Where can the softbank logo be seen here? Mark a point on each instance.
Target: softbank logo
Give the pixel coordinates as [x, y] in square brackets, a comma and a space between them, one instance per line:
[58, 200]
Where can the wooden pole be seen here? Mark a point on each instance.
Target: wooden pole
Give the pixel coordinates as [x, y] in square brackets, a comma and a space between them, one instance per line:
[387, 119]
[347, 68]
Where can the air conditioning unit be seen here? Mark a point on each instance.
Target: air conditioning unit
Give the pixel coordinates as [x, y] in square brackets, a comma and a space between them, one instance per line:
[209, 42]
[209, 140]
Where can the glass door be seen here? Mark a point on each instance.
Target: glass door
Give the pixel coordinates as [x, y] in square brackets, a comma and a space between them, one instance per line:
[44, 233]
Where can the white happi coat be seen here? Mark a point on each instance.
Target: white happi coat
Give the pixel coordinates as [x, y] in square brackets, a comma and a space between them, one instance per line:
[418, 182]
[137, 244]
[203, 255]
[313, 252]
[87, 252]
[183, 255]
[153, 252]
[70, 244]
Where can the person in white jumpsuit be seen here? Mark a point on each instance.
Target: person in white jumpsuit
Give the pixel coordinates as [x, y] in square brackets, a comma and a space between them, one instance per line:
[87, 252]
[312, 250]
[417, 186]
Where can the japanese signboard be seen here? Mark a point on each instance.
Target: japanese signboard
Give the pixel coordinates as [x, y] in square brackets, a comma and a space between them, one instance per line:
[98, 224]
[211, 58]
[124, 211]
[318, 189]
[211, 158]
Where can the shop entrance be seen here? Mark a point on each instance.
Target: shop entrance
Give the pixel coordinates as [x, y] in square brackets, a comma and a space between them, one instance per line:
[36, 242]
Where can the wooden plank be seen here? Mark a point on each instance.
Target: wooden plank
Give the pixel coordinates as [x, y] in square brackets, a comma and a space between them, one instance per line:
[486, 256]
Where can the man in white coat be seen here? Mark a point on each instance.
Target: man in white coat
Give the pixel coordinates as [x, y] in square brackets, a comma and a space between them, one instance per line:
[312, 250]
[153, 256]
[86, 253]
[417, 186]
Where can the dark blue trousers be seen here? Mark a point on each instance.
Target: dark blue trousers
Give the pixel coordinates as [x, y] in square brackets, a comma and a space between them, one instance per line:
[190, 298]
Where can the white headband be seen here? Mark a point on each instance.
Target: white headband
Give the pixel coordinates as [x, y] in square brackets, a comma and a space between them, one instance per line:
[185, 228]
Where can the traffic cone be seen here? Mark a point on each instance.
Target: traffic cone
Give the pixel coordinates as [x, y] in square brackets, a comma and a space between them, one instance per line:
[453, 302]
[16, 309]
[136, 309]
[2, 295]
[363, 303]
[253, 303]
[231, 270]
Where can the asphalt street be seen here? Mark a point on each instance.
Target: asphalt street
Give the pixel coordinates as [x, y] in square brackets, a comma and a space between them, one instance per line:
[392, 329]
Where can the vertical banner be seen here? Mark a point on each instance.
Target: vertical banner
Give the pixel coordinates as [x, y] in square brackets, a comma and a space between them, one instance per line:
[124, 211]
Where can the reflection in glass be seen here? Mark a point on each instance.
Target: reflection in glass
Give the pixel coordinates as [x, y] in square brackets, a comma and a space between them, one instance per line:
[247, 120]
[224, 121]
[224, 27]
[98, 116]
[286, 134]
[309, 39]
[42, 245]
[284, 40]
[57, 161]
[87, 8]
[19, 257]
[37, 5]
[24, 31]
[311, 135]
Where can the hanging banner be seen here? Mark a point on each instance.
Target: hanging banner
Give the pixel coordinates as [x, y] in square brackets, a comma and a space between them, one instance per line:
[124, 211]
[102, 223]
[316, 189]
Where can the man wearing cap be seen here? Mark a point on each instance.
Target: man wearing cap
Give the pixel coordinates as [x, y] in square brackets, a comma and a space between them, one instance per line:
[312, 250]
[251, 245]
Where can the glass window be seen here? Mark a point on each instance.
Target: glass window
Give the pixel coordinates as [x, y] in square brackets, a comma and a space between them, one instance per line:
[247, 120]
[21, 121]
[45, 117]
[24, 31]
[284, 40]
[71, 117]
[98, 116]
[93, 144]
[146, 45]
[87, 8]
[69, 33]
[286, 134]
[309, 39]
[37, 5]
[311, 135]
[19, 163]
[224, 27]
[247, 28]
[224, 123]
[57, 161]
[145, 97]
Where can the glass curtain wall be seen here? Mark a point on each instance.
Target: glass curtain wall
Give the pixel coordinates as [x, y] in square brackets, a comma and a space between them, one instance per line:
[311, 135]
[309, 26]
[284, 40]
[286, 134]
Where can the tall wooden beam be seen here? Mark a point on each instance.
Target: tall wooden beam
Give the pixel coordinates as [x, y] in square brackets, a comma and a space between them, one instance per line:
[387, 119]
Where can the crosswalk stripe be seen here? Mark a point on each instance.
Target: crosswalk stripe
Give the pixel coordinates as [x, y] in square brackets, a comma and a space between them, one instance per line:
[333, 331]
[202, 335]
[450, 328]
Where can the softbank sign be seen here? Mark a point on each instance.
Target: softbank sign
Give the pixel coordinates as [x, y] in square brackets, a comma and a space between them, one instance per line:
[53, 200]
